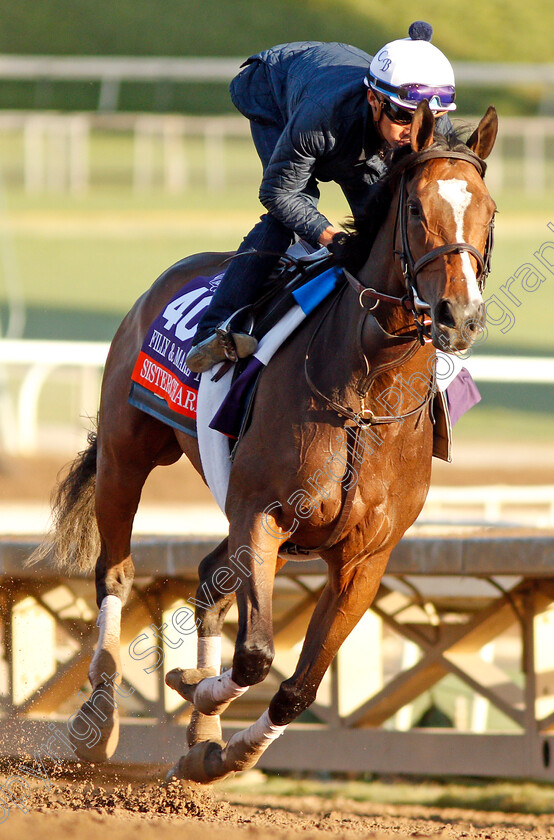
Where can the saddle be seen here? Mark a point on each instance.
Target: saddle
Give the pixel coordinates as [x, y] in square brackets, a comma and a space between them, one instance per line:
[294, 270]
[161, 383]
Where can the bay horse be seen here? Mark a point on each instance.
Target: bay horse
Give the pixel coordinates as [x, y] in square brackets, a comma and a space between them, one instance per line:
[420, 263]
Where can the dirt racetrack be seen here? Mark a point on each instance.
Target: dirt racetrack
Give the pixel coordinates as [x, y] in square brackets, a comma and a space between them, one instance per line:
[91, 809]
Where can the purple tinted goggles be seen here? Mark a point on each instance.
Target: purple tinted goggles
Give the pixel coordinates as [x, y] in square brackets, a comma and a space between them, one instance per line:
[417, 93]
[442, 96]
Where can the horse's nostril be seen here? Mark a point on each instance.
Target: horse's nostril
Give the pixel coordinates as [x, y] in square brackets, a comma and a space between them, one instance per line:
[444, 314]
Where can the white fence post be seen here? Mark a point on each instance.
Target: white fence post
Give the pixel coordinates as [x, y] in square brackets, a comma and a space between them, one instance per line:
[41, 358]
[49, 139]
[534, 158]
[8, 421]
[143, 154]
[215, 155]
[33, 141]
[495, 167]
[79, 131]
[56, 155]
[175, 162]
[27, 409]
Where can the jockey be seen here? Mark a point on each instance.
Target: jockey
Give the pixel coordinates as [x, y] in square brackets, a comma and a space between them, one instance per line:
[317, 113]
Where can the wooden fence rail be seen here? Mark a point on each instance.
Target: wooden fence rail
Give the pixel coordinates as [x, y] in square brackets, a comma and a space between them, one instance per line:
[470, 609]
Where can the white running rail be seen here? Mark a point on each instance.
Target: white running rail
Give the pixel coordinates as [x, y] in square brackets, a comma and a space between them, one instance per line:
[38, 360]
[35, 361]
[517, 505]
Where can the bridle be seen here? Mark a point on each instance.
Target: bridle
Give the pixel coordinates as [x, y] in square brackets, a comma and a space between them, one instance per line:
[369, 298]
[410, 268]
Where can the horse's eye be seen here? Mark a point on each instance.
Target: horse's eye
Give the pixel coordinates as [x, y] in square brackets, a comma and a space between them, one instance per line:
[413, 209]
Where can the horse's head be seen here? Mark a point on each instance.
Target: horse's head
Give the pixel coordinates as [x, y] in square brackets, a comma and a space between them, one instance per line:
[444, 229]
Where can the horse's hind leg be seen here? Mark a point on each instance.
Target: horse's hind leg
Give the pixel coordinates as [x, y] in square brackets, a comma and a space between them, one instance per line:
[250, 570]
[123, 464]
[212, 606]
[216, 572]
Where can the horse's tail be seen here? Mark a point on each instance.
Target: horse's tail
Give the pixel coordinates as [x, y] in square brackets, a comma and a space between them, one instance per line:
[73, 542]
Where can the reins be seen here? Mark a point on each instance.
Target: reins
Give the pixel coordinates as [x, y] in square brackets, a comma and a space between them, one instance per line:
[365, 416]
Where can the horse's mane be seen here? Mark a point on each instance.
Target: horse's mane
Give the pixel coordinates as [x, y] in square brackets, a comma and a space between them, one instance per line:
[352, 250]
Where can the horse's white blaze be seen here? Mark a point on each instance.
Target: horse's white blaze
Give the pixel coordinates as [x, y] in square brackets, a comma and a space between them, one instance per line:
[456, 194]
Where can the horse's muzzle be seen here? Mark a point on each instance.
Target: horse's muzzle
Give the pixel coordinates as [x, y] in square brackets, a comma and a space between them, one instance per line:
[456, 327]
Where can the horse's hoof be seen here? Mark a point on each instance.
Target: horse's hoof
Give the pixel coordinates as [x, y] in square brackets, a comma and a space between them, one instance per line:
[185, 680]
[203, 728]
[203, 763]
[94, 731]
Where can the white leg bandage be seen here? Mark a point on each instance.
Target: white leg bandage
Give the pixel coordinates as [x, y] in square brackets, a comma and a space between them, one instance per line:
[257, 738]
[215, 690]
[263, 732]
[209, 653]
[109, 632]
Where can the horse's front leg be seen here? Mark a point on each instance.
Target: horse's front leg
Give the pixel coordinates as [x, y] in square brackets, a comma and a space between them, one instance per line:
[344, 600]
[349, 592]
[249, 571]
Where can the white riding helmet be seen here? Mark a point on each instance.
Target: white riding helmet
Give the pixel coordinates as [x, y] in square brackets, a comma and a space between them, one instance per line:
[412, 69]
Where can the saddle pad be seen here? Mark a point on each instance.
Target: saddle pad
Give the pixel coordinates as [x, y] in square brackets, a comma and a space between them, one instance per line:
[163, 386]
[213, 442]
[218, 415]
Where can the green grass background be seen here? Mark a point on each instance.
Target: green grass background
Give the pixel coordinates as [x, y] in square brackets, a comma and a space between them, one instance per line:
[499, 30]
[474, 794]
[496, 30]
[81, 261]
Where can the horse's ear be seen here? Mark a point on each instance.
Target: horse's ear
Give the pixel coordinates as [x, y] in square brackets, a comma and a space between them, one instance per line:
[423, 127]
[482, 139]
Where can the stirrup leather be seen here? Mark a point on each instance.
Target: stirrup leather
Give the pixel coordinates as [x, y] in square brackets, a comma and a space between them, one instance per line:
[223, 332]
[235, 345]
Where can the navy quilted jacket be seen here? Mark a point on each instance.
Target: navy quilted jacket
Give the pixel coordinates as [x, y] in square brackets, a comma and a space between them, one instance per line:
[315, 92]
